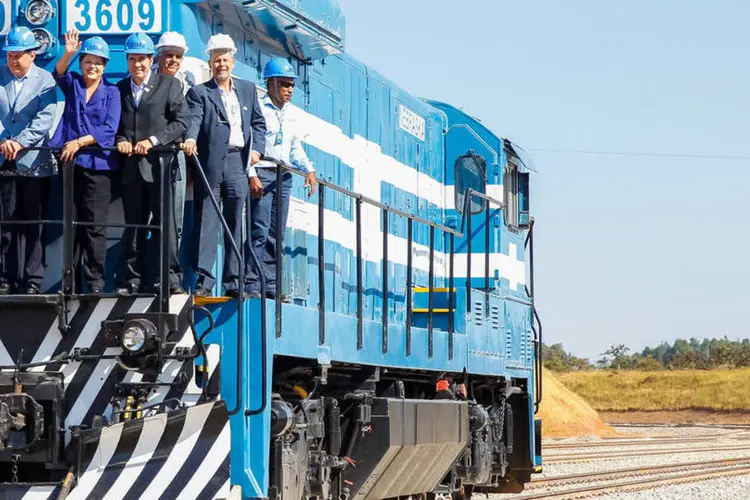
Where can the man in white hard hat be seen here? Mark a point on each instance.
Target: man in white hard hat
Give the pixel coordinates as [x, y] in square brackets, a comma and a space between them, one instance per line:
[227, 131]
[170, 52]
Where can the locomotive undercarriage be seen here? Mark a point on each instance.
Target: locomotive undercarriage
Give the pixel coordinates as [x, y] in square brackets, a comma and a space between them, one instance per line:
[359, 432]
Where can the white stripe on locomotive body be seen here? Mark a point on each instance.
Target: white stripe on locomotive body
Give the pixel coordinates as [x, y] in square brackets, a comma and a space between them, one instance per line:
[209, 466]
[51, 341]
[303, 216]
[88, 334]
[5, 357]
[153, 428]
[194, 421]
[108, 441]
[39, 493]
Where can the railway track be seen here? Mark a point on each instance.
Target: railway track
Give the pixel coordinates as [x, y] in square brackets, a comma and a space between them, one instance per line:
[572, 479]
[639, 479]
[631, 442]
[586, 457]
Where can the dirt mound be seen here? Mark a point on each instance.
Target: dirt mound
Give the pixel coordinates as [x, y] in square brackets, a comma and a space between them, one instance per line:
[565, 414]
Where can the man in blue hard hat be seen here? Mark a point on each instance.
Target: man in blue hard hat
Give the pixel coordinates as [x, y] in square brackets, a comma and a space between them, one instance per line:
[284, 130]
[27, 112]
[227, 133]
[154, 113]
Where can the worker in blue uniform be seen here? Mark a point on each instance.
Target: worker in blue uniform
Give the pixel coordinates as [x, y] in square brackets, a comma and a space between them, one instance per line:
[227, 132]
[27, 113]
[284, 130]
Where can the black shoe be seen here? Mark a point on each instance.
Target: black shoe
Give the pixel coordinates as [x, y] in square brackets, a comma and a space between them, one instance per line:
[285, 298]
[202, 291]
[235, 293]
[176, 289]
[4, 288]
[129, 289]
[33, 289]
[95, 288]
[252, 295]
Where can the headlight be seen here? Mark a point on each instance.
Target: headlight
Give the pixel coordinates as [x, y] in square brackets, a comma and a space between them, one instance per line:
[39, 12]
[45, 41]
[135, 334]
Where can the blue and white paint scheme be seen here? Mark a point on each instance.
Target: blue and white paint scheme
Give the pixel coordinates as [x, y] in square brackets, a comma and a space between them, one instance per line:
[368, 136]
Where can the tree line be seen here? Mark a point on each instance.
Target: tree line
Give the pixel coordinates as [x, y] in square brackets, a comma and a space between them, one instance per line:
[697, 354]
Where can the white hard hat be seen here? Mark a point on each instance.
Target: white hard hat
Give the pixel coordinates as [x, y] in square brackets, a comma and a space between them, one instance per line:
[172, 39]
[220, 42]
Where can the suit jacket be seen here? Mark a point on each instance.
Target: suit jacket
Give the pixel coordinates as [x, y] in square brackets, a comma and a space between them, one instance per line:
[209, 126]
[162, 113]
[28, 118]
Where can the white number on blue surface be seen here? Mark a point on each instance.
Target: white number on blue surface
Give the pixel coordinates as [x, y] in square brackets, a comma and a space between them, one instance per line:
[6, 16]
[113, 16]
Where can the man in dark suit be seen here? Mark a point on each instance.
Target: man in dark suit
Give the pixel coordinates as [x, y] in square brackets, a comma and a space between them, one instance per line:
[154, 113]
[227, 131]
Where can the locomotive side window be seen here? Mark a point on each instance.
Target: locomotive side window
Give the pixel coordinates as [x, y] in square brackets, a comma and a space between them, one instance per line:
[470, 173]
[516, 193]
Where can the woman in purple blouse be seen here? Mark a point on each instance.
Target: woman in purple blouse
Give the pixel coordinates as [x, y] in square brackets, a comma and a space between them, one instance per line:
[91, 117]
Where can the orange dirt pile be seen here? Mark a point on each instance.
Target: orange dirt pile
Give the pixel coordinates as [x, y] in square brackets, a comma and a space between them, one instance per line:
[565, 414]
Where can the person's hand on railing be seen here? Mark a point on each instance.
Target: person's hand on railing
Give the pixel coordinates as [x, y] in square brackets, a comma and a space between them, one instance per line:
[189, 147]
[69, 150]
[10, 148]
[142, 147]
[256, 188]
[125, 148]
[312, 181]
[254, 157]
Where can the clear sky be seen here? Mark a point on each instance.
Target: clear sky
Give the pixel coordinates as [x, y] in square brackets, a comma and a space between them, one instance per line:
[629, 249]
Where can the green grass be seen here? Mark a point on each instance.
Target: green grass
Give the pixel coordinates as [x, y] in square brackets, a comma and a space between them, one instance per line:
[717, 390]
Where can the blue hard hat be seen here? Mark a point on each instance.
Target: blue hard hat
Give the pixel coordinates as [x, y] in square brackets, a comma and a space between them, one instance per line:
[278, 67]
[139, 43]
[20, 39]
[95, 46]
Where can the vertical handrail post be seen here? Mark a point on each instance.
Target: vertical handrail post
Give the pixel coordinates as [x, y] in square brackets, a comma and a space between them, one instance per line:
[430, 292]
[468, 253]
[360, 287]
[385, 281]
[486, 258]
[68, 228]
[451, 316]
[279, 249]
[165, 207]
[321, 267]
[409, 305]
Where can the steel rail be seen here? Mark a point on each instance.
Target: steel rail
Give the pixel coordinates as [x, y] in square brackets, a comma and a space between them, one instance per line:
[645, 442]
[584, 457]
[553, 481]
[641, 483]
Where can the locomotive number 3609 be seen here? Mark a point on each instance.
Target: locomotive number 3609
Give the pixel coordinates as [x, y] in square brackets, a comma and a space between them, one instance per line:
[114, 16]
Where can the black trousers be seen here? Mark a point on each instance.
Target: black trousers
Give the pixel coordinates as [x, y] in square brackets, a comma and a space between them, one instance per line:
[140, 256]
[22, 245]
[91, 198]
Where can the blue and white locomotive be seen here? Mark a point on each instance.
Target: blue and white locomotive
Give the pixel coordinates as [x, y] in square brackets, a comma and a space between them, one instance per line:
[407, 362]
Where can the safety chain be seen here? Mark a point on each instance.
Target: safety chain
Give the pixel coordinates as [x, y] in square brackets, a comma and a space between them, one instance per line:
[14, 459]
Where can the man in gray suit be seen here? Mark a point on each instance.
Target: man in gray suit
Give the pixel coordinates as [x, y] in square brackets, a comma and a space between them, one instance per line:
[27, 113]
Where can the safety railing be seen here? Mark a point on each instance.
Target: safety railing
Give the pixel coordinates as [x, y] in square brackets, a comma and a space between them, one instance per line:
[166, 222]
[411, 219]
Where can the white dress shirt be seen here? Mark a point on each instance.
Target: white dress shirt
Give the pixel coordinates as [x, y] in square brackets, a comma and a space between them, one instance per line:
[289, 122]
